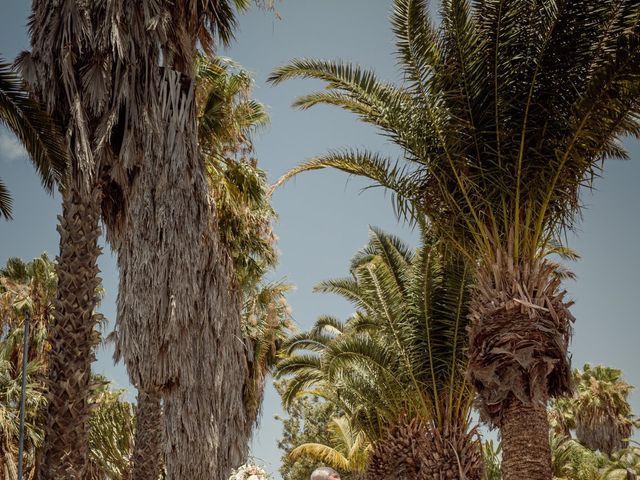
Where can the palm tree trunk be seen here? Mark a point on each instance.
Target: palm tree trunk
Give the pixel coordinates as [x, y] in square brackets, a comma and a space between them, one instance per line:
[520, 328]
[73, 338]
[148, 449]
[178, 305]
[525, 442]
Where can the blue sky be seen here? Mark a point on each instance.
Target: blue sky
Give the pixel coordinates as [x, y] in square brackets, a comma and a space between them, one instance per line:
[323, 216]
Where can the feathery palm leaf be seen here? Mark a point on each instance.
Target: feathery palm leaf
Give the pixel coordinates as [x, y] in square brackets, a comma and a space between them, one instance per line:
[401, 352]
[35, 130]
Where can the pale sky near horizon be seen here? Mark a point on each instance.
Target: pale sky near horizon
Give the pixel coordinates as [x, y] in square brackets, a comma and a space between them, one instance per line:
[323, 217]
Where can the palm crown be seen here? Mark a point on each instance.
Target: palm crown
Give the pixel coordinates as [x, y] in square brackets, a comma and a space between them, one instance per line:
[506, 111]
[402, 352]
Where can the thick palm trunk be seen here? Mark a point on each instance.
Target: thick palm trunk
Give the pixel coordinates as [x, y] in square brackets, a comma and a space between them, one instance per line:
[178, 306]
[518, 357]
[73, 338]
[525, 442]
[416, 451]
[148, 449]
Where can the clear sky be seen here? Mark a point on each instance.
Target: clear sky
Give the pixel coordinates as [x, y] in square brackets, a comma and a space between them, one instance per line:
[323, 216]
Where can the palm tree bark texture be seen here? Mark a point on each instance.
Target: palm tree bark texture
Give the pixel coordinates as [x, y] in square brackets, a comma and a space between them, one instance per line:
[59, 36]
[147, 458]
[178, 306]
[73, 338]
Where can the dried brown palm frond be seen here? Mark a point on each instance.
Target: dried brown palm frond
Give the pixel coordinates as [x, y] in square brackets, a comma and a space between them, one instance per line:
[519, 335]
[179, 304]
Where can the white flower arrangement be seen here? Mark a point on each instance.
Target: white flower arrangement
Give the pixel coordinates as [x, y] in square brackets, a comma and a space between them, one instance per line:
[249, 472]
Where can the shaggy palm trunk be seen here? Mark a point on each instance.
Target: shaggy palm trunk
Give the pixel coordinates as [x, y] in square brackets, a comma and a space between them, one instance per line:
[518, 357]
[148, 448]
[416, 451]
[178, 306]
[73, 338]
[525, 442]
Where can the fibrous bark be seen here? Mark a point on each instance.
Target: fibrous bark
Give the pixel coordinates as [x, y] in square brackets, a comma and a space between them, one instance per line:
[73, 339]
[148, 448]
[518, 355]
[415, 450]
[58, 70]
[178, 306]
[525, 441]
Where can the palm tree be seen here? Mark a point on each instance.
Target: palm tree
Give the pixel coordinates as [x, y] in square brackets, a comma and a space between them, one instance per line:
[348, 451]
[178, 304]
[34, 128]
[396, 367]
[603, 418]
[227, 117]
[60, 71]
[507, 110]
[598, 411]
[121, 77]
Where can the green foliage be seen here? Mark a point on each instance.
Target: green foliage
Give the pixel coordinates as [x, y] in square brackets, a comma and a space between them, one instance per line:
[492, 460]
[32, 286]
[599, 411]
[227, 118]
[347, 451]
[111, 434]
[266, 321]
[35, 130]
[401, 352]
[506, 111]
[10, 390]
[308, 419]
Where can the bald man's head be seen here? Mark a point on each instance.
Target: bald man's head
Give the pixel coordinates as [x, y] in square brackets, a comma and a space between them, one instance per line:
[325, 473]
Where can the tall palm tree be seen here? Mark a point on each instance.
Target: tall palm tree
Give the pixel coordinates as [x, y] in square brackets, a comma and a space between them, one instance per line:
[603, 415]
[227, 117]
[599, 410]
[64, 76]
[178, 303]
[604, 420]
[507, 110]
[121, 76]
[37, 132]
[396, 367]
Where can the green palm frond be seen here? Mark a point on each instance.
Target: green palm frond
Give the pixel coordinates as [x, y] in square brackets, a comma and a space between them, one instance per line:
[506, 112]
[348, 449]
[111, 435]
[402, 351]
[35, 130]
[227, 119]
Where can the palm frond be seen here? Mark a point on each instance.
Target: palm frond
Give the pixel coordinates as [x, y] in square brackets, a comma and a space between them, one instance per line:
[35, 130]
